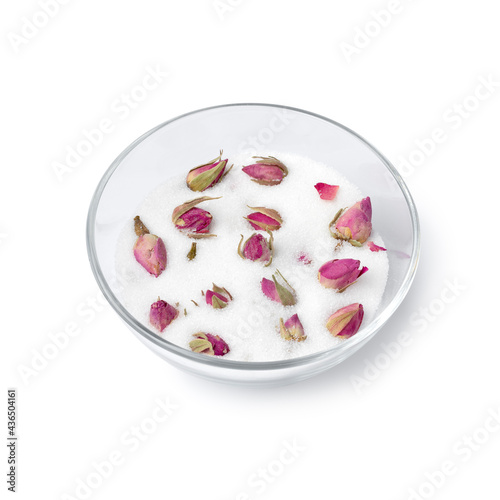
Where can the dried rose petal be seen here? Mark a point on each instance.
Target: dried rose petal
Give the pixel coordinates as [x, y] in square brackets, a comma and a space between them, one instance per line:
[207, 175]
[162, 314]
[264, 219]
[206, 343]
[303, 258]
[292, 329]
[269, 290]
[375, 248]
[346, 321]
[268, 171]
[279, 292]
[355, 224]
[257, 248]
[149, 249]
[193, 220]
[326, 191]
[340, 273]
[218, 297]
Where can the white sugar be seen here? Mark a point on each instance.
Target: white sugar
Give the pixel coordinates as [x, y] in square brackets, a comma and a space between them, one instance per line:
[249, 323]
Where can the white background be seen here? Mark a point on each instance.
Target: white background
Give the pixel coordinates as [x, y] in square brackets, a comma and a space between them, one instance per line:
[377, 441]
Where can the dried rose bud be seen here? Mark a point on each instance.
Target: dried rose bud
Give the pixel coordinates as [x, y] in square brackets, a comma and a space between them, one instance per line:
[268, 171]
[282, 293]
[340, 273]
[206, 343]
[346, 321]
[149, 250]
[354, 225]
[218, 297]
[326, 191]
[303, 258]
[257, 248]
[264, 219]
[206, 176]
[192, 220]
[162, 314]
[375, 248]
[292, 329]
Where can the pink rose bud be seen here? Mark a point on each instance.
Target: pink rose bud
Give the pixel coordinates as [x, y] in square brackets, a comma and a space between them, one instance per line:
[193, 220]
[149, 250]
[206, 176]
[218, 297]
[268, 171]
[355, 224]
[279, 292]
[162, 314]
[346, 321]
[340, 273]
[292, 329]
[206, 343]
[264, 219]
[326, 191]
[375, 248]
[303, 258]
[257, 248]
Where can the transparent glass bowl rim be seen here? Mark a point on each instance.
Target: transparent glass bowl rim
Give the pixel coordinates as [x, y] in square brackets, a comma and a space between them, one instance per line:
[338, 350]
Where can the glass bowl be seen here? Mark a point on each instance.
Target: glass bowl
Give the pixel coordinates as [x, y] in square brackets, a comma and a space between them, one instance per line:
[166, 150]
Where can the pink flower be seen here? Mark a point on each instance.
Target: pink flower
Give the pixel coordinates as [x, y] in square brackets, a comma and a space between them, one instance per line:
[269, 290]
[346, 321]
[218, 297]
[355, 224]
[205, 176]
[303, 258]
[206, 343]
[193, 220]
[375, 248]
[264, 219]
[282, 293]
[326, 191]
[268, 171]
[257, 248]
[149, 249]
[292, 329]
[340, 273]
[162, 314]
